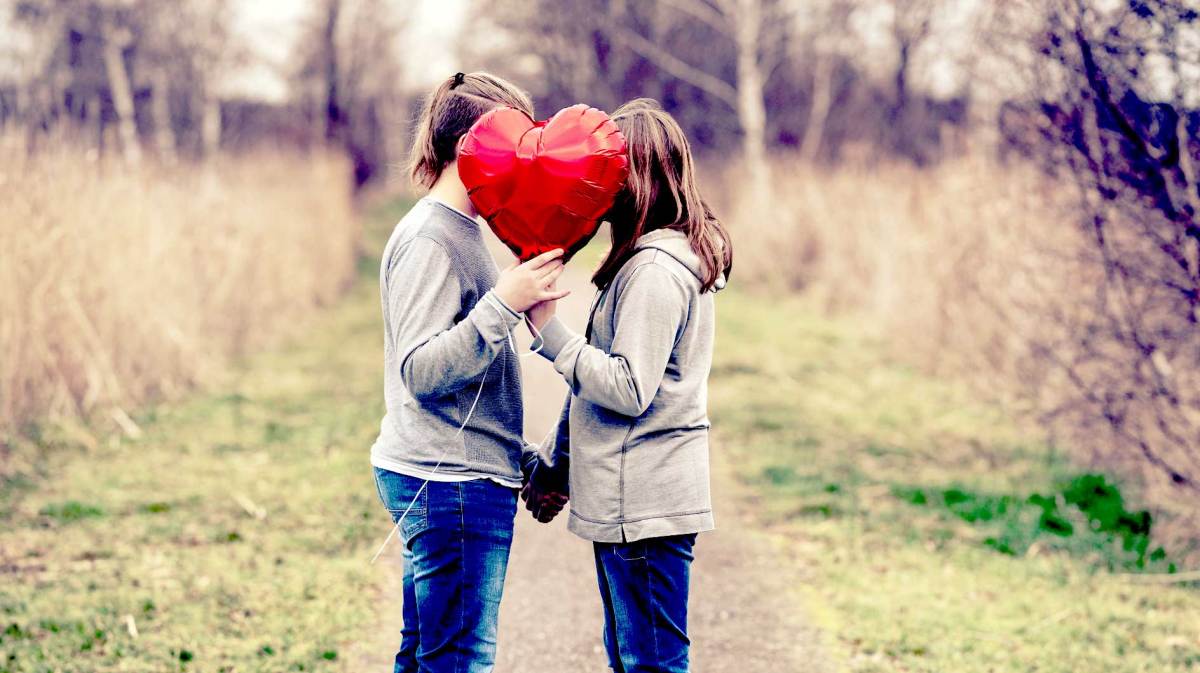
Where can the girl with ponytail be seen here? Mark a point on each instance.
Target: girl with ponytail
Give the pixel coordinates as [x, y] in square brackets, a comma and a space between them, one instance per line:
[450, 449]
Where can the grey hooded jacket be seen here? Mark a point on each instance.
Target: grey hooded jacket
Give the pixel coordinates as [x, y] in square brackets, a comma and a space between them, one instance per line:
[633, 435]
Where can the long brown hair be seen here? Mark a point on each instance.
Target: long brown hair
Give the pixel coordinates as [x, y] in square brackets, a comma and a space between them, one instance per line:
[661, 193]
[448, 113]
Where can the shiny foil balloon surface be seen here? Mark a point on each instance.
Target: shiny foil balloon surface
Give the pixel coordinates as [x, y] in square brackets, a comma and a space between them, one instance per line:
[543, 185]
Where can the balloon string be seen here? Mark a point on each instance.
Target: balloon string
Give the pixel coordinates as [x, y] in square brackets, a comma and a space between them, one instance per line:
[470, 412]
[436, 467]
[537, 336]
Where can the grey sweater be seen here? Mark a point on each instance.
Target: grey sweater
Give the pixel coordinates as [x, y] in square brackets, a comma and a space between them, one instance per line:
[634, 430]
[444, 332]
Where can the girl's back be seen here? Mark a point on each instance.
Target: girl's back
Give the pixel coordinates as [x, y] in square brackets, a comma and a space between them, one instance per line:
[642, 467]
[634, 433]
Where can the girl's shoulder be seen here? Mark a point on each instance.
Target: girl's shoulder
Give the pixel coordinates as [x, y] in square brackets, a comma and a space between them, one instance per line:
[421, 232]
[654, 272]
[656, 263]
[425, 218]
[454, 231]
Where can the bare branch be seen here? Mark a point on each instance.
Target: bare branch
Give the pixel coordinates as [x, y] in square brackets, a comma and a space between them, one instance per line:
[708, 14]
[678, 68]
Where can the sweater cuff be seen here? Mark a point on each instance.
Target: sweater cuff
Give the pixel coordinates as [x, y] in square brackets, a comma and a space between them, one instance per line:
[529, 461]
[494, 321]
[513, 315]
[553, 338]
[511, 318]
[503, 304]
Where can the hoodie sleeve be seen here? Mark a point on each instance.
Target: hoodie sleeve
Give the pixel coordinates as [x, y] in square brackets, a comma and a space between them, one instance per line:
[437, 355]
[556, 447]
[651, 307]
[550, 466]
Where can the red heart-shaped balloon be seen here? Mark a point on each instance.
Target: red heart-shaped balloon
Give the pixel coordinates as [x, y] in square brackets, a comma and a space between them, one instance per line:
[543, 185]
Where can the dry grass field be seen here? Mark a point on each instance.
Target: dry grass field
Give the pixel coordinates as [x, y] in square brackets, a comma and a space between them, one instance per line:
[976, 272]
[122, 286]
[930, 528]
[934, 534]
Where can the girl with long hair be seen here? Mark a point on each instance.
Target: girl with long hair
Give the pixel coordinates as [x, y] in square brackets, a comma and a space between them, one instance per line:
[631, 446]
[450, 449]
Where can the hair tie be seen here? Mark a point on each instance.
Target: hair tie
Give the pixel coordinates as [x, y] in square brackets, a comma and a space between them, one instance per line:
[458, 79]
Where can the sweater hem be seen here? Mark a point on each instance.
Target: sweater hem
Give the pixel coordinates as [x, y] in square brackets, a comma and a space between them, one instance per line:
[632, 531]
[401, 467]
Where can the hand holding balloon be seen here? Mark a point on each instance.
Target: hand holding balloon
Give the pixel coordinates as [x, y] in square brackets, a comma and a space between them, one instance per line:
[522, 286]
[539, 314]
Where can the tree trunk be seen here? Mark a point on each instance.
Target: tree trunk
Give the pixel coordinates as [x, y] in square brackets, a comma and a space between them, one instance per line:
[210, 125]
[164, 133]
[751, 110]
[901, 77]
[115, 40]
[98, 130]
[818, 109]
[333, 109]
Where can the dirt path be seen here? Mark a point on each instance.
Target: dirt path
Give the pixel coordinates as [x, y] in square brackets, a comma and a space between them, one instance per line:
[744, 615]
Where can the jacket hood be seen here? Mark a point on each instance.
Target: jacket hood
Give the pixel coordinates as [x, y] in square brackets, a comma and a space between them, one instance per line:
[675, 243]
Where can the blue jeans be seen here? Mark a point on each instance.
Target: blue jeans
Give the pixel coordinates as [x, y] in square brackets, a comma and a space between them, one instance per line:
[456, 541]
[644, 588]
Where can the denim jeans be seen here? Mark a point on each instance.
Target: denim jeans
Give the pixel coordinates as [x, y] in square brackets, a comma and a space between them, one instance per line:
[456, 541]
[644, 588]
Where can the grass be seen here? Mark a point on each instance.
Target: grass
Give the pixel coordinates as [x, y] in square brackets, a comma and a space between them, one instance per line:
[934, 530]
[988, 273]
[232, 534]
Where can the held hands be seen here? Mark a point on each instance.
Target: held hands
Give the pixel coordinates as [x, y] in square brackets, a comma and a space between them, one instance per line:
[544, 505]
[540, 498]
[540, 313]
[522, 286]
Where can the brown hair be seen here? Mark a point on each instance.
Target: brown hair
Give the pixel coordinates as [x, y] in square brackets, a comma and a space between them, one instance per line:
[447, 115]
[661, 192]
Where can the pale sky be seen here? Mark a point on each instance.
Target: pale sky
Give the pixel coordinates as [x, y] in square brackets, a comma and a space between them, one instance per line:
[433, 29]
[271, 27]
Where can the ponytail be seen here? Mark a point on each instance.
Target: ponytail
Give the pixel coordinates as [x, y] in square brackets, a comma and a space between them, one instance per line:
[449, 112]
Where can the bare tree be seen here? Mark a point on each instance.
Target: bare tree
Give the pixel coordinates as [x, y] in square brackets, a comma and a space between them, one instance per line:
[189, 52]
[117, 38]
[348, 78]
[828, 37]
[757, 30]
[601, 48]
[577, 56]
[328, 53]
[910, 27]
[1119, 119]
[754, 75]
[98, 60]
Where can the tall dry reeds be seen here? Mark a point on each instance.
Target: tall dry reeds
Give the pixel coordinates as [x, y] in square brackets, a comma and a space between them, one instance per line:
[936, 259]
[118, 285]
[980, 272]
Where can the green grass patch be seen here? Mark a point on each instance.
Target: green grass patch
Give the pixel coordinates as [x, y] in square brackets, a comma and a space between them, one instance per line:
[1086, 517]
[71, 510]
[939, 535]
[232, 535]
